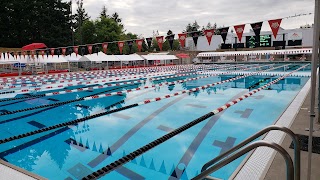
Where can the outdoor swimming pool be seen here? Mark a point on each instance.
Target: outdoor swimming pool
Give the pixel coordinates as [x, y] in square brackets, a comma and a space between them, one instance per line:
[75, 151]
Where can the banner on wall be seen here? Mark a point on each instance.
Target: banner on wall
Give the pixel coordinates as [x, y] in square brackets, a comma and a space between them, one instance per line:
[295, 36]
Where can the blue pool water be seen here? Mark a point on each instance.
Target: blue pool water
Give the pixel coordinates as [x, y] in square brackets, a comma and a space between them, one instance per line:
[75, 151]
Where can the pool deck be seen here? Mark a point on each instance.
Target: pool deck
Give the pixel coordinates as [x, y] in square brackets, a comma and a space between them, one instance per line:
[277, 169]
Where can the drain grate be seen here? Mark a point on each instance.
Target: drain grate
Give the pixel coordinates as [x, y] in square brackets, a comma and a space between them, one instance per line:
[304, 143]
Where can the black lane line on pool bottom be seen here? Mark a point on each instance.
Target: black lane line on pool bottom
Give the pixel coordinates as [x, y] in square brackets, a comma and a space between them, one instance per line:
[132, 131]
[193, 147]
[37, 112]
[59, 103]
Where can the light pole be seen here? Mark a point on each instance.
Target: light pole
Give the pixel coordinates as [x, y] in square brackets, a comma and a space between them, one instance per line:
[314, 65]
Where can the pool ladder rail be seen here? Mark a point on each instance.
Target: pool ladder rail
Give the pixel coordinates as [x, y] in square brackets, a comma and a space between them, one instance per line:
[293, 169]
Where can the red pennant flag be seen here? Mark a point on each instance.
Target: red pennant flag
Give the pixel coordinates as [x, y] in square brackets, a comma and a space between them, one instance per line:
[160, 42]
[105, 47]
[16, 54]
[182, 39]
[90, 49]
[120, 45]
[32, 54]
[239, 30]
[52, 52]
[139, 44]
[42, 53]
[75, 49]
[275, 25]
[0, 54]
[24, 54]
[64, 51]
[209, 33]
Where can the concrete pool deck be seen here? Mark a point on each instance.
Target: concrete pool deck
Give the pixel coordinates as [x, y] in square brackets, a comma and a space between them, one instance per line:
[277, 169]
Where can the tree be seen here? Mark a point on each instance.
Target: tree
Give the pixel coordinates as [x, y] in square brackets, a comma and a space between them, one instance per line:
[104, 12]
[189, 27]
[195, 26]
[169, 32]
[80, 17]
[24, 22]
[209, 26]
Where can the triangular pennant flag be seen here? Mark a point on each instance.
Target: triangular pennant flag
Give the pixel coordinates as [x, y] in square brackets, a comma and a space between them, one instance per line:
[80, 142]
[105, 47]
[87, 144]
[160, 42]
[130, 43]
[37, 54]
[139, 43]
[64, 50]
[32, 54]
[24, 54]
[109, 153]
[275, 25]
[76, 50]
[224, 32]
[195, 36]
[58, 52]
[83, 49]
[149, 41]
[173, 171]
[182, 39]
[0, 54]
[94, 147]
[4, 55]
[8, 54]
[52, 52]
[209, 33]
[47, 52]
[97, 49]
[124, 153]
[16, 54]
[69, 51]
[256, 27]
[120, 45]
[170, 38]
[239, 31]
[90, 48]
[42, 53]
[101, 149]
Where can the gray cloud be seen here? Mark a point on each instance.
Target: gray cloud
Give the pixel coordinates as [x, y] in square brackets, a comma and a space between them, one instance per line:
[144, 16]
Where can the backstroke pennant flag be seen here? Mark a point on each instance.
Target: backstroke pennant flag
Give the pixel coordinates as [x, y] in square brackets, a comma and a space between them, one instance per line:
[160, 42]
[256, 27]
[139, 43]
[64, 50]
[209, 33]
[76, 50]
[195, 36]
[52, 51]
[239, 30]
[90, 48]
[42, 53]
[120, 45]
[275, 25]
[105, 47]
[224, 32]
[130, 43]
[182, 39]
[170, 38]
[149, 41]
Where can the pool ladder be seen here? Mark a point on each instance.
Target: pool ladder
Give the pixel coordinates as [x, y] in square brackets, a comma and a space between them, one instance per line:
[293, 169]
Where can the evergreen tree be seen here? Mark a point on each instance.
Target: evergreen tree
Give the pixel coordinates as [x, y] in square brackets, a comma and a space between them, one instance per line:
[104, 12]
[80, 17]
[195, 26]
[209, 26]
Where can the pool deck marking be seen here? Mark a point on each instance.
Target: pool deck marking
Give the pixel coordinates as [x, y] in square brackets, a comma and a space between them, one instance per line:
[186, 158]
[129, 173]
[36, 124]
[32, 142]
[122, 116]
[244, 114]
[79, 171]
[225, 146]
[196, 105]
[258, 97]
[132, 131]
[165, 128]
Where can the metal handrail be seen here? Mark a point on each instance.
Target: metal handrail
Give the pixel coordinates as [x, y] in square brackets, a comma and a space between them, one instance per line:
[275, 146]
[294, 137]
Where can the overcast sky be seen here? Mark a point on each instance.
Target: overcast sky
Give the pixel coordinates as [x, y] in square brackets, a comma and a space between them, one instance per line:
[143, 16]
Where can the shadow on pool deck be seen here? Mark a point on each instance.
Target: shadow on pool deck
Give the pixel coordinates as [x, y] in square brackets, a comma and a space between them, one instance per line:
[278, 168]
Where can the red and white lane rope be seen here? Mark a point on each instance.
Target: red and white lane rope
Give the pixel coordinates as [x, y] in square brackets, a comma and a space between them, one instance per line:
[170, 83]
